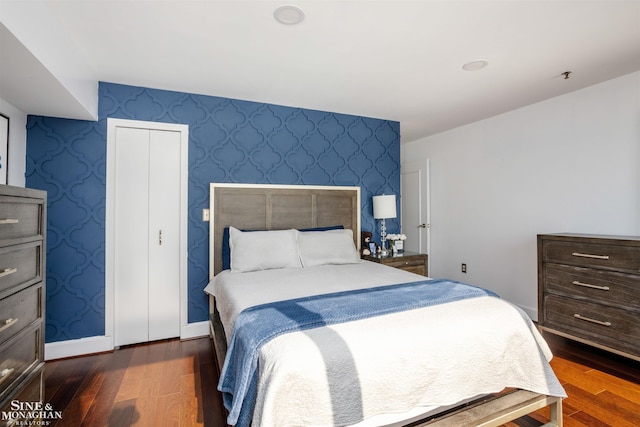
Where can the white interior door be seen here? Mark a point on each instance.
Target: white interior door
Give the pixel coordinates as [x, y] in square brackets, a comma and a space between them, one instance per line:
[131, 236]
[414, 197]
[146, 235]
[164, 235]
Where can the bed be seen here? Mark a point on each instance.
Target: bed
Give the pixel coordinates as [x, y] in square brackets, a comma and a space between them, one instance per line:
[453, 355]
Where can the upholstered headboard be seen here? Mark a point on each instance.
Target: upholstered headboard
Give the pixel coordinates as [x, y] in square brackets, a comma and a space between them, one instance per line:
[277, 207]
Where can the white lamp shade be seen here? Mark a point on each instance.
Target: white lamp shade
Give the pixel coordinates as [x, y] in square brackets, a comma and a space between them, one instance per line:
[384, 206]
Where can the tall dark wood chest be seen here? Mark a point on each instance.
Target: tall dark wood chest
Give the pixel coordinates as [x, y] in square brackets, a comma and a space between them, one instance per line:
[22, 295]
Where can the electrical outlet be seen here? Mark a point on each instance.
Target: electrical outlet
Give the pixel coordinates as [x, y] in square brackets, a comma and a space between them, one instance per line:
[463, 268]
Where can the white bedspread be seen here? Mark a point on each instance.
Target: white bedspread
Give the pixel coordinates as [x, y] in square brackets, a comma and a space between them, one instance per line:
[383, 369]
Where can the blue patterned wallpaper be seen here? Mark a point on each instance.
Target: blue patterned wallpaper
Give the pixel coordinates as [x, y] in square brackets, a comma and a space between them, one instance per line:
[229, 141]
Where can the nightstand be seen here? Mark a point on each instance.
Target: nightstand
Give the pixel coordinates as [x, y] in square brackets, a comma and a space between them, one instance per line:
[409, 261]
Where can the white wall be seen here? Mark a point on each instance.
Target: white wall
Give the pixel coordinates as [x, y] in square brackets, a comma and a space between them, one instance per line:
[17, 143]
[568, 164]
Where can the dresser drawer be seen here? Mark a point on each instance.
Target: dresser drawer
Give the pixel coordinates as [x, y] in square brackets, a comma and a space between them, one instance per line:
[20, 217]
[20, 264]
[607, 287]
[608, 326]
[18, 310]
[413, 263]
[614, 257]
[417, 269]
[408, 261]
[31, 391]
[18, 356]
[399, 262]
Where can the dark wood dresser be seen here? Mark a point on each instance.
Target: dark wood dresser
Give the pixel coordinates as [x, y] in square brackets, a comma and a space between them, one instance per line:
[22, 295]
[589, 290]
[409, 261]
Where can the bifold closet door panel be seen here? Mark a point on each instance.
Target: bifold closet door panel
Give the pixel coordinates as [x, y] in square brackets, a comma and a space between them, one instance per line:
[132, 236]
[164, 235]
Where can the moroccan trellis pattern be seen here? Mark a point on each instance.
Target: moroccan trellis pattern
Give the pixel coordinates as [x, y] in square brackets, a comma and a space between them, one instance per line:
[229, 141]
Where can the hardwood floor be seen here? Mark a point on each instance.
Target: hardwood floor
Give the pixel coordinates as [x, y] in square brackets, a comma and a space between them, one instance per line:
[603, 389]
[164, 383]
[172, 383]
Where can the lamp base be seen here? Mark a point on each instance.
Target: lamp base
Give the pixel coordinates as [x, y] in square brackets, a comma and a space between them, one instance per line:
[383, 238]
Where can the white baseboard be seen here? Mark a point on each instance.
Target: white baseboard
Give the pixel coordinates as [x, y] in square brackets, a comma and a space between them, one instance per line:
[100, 344]
[79, 347]
[194, 330]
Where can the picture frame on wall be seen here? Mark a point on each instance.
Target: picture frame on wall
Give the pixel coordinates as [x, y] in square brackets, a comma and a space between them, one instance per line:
[4, 147]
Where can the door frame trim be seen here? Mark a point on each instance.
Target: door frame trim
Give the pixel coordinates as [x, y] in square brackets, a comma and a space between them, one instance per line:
[112, 124]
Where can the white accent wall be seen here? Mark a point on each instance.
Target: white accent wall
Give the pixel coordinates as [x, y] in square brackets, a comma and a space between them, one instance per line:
[568, 164]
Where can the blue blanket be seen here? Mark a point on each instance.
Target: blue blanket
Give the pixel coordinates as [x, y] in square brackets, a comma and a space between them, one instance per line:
[257, 325]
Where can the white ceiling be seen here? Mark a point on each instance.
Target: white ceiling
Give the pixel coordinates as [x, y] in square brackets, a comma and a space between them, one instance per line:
[397, 60]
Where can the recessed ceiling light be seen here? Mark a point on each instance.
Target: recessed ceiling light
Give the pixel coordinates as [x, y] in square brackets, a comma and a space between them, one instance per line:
[475, 65]
[289, 15]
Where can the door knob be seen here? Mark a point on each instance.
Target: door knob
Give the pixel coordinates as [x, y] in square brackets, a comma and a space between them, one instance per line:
[422, 226]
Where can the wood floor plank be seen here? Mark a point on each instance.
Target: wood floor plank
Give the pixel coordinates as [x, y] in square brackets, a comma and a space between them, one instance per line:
[585, 419]
[608, 411]
[574, 422]
[168, 410]
[69, 381]
[122, 413]
[81, 378]
[621, 408]
[94, 375]
[601, 360]
[103, 402]
[213, 410]
[572, 372]
[185, 362]
[132, 381]
[54, 377]
[145, 411]
[169, 380]
[622, 388]
[153, 371]
[192, 415]
[76, 412]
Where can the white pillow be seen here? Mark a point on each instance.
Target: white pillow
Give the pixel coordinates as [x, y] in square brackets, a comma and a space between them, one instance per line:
[327, 247]
[263, 250]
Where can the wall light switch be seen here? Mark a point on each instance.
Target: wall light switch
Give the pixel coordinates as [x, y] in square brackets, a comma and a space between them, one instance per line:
[205, 215]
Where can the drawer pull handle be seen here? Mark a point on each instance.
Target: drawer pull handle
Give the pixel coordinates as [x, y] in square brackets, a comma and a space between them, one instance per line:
[5, 374]
[588, 285]
[578, 254]
[7, 324]
[9, 221]
[8, 271]
[588, 319]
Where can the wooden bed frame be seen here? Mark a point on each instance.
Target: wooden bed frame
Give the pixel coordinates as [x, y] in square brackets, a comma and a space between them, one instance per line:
[273, 207]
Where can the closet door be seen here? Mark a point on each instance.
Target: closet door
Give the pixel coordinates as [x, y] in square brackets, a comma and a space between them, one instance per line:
[147, 201]
[131, 236]
[164, 235]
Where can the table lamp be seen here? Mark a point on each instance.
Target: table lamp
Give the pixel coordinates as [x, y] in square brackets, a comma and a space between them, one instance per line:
[384, 207]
